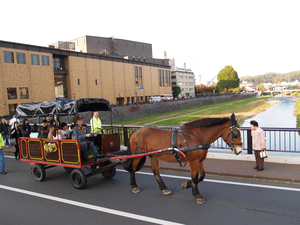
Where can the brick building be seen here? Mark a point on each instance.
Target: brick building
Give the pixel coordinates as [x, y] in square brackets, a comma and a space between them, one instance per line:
[33, 74]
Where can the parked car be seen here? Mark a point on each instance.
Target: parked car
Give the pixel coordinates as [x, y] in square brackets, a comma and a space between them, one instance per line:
[155, 99]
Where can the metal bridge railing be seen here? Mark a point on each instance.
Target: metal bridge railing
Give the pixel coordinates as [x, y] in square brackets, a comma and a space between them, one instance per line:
[277, 139]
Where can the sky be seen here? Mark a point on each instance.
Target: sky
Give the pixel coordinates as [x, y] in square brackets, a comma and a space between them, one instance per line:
[255, 37]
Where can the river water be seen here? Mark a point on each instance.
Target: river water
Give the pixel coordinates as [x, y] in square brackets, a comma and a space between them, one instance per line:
[279, 115]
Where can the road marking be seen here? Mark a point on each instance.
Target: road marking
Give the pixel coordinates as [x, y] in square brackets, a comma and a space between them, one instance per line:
[221, 181]
[89, 206]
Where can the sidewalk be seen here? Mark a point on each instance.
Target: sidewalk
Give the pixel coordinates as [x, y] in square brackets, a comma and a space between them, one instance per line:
[277, 168]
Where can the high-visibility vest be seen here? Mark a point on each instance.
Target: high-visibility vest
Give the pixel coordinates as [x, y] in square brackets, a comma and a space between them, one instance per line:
[1, 141]
[95, 124]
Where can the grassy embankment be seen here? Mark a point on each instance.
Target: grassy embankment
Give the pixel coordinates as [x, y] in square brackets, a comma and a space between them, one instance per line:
[243, 109]
[297, 112]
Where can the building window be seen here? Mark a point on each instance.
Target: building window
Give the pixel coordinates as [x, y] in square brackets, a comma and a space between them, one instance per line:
[169, 78]
[163, 77]
[58, 63]
[173, 77]
[45, 60]
[96, 82]
[136, 76]
[159, 77]
[12, 93]
[24, 93]
[21, 58]
[8, 57]
[191, 83]
[173, 83]
[140, 76]
[191, 89]
[35, 59]
[78, 81]
[12, 108]
[180, 77]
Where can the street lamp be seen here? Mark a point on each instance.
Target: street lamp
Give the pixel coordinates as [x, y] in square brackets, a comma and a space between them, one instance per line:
[74, 95]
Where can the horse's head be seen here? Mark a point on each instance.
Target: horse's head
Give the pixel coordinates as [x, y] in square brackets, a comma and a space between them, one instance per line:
[234, 139]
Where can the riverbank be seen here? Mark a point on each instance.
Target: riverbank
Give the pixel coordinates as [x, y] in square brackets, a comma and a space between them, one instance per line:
[243, 109]
[297, 112]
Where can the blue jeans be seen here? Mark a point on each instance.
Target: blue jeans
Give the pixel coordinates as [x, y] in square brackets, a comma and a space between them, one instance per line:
[6, 137]
[84, 145]
[2, 164]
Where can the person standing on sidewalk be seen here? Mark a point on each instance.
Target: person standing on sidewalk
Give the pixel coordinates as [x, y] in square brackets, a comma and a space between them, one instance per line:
[2, 164]
[16, 133]
[4, 131]
[259, 144]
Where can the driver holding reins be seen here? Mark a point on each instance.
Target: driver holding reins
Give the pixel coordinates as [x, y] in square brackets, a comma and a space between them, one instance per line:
[80, 132]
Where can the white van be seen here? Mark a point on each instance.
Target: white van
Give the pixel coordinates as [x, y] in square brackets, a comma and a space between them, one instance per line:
[155, 99]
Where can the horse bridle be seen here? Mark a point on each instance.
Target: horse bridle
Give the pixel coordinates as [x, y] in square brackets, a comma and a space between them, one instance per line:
[234, 135]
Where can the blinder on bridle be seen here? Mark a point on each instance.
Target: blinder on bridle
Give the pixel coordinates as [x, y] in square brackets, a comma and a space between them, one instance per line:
[234, 134]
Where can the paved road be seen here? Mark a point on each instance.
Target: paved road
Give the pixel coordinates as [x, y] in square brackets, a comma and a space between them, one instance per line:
[55, 201]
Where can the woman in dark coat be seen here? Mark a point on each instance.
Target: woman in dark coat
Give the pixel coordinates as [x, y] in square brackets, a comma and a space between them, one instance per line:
[16, 133]
[55, 121]
[26, 128]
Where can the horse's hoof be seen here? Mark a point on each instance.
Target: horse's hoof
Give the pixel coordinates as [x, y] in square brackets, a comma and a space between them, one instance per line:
[184, 185]
[200, 200]
[135, 190]
[166, 192]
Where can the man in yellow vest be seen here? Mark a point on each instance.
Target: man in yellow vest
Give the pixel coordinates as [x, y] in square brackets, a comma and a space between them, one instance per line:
[96, 124]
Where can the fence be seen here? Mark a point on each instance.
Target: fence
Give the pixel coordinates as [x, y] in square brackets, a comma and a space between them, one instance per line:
[277, 139]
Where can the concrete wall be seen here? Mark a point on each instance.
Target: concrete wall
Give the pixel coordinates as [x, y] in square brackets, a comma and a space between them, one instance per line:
[124, 112]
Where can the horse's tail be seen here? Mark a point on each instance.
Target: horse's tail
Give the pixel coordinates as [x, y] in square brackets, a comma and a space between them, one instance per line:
[127, 163]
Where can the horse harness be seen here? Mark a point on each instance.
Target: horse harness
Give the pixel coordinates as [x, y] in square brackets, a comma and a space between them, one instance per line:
[175, 149]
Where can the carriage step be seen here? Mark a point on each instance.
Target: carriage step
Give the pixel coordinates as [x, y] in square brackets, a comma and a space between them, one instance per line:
[102, 169]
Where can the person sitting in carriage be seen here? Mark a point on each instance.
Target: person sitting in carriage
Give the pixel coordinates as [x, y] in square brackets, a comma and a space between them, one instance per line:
[80, 132]
[44, 130]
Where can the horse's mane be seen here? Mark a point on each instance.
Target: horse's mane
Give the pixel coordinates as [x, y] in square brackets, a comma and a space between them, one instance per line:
[206, 122]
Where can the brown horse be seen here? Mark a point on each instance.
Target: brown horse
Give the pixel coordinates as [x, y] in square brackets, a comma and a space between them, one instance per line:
[193, 139]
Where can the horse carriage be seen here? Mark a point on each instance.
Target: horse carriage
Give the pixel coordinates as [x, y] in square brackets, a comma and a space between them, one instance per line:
[43, 153]
[188, 144]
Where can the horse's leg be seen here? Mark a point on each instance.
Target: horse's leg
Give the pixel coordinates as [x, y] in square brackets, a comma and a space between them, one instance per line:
[154, 166]
[134, 186]
[197, 174]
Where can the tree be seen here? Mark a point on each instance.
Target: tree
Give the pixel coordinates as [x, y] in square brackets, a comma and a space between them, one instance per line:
[176, 91]
[228, 78]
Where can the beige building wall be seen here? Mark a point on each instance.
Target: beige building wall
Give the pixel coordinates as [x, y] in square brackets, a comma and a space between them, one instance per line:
[87, 77]
[38, 79]
[111, 80]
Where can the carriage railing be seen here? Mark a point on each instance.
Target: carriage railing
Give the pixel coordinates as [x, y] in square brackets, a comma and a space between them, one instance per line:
[277, 139]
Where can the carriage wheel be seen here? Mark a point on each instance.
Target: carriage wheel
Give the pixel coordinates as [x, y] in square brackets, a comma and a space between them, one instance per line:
[78, 179]
[108, 174]
[38, 172]
[68, 169]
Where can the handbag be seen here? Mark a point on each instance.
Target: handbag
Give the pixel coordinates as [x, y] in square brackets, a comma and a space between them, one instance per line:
[12, 141]
[263, 154]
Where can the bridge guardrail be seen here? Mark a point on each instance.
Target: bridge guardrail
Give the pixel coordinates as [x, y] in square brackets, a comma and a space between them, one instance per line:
[277, 139]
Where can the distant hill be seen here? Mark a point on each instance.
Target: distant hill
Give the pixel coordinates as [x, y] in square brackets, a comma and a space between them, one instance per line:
[273, 77]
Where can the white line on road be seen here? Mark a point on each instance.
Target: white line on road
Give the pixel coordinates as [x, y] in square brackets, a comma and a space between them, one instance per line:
[89, 206]
[222, 181]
